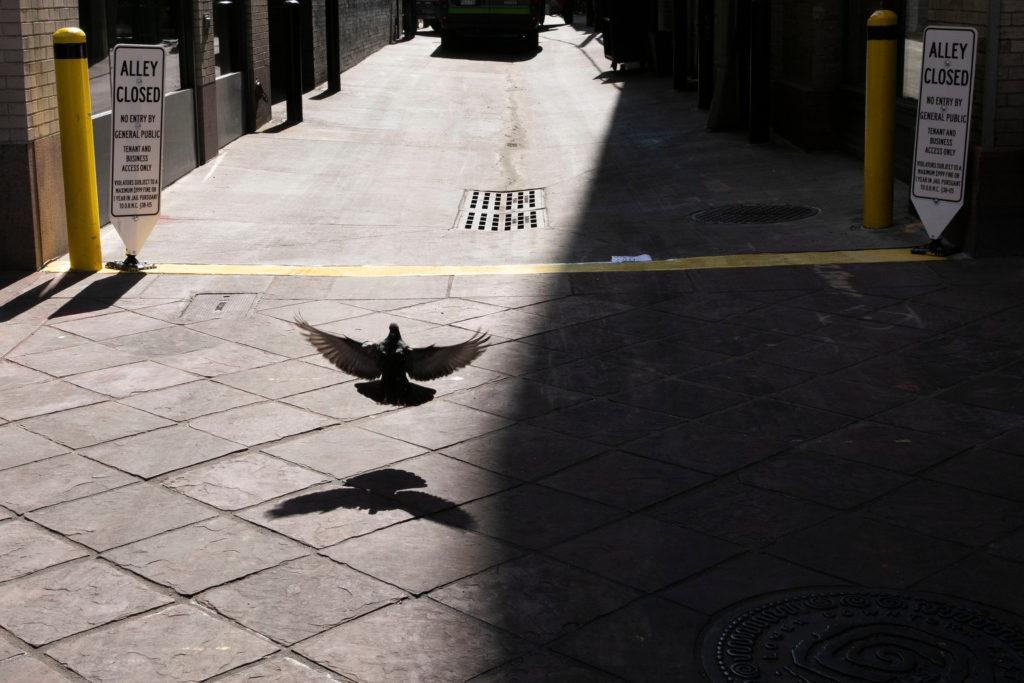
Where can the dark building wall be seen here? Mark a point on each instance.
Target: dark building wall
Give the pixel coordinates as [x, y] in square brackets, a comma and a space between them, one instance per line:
[366, 26]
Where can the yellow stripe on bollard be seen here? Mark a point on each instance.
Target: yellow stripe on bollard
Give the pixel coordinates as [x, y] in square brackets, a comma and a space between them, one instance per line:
[76, 147]
[880, 118]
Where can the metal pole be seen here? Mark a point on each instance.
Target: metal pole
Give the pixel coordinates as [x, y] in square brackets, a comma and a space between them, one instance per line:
[333, 47]
[224, 27]
[880, 117]
[78, 157]
[706, 53]
[760, 70]
[680, 45]
[294, 28]
[988, 102]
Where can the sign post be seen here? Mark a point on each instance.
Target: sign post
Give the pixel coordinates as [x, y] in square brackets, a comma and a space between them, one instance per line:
[943, 130]
[137, 87]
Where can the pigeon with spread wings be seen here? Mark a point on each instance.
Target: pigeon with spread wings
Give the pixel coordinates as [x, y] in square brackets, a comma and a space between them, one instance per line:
[392, 359]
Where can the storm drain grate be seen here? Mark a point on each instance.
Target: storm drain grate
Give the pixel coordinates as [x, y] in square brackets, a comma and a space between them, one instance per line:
[755, 213]
[212, 306]
[503, 211]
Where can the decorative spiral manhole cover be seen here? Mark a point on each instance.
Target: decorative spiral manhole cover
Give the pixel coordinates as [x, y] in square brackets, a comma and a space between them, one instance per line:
[755, 213]
[844, 635]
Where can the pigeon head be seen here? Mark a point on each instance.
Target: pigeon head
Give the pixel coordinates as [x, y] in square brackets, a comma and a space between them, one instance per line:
[393, 331]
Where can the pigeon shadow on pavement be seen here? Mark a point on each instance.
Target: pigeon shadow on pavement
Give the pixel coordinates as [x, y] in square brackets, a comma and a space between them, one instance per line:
[415, 395]
[375, 492]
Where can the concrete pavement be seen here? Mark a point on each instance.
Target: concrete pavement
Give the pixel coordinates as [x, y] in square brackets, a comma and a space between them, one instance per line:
[618, 489]
[192, 497]
[376, 174]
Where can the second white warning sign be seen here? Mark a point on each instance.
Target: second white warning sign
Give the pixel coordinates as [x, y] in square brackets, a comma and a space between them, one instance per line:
[137, 84]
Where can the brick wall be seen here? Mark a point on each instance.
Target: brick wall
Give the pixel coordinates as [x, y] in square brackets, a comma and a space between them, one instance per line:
[1009, 123]
[366, 26]
[28, 95]
[32, 223]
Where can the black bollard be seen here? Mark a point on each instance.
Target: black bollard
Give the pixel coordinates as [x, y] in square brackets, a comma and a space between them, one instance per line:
[706, 53]
[224, 27]
[333, 47]
[292, 23]
[680, 45]
[760, 70]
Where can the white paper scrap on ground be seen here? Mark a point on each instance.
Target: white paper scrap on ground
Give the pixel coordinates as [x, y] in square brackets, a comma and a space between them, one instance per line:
[631, 259]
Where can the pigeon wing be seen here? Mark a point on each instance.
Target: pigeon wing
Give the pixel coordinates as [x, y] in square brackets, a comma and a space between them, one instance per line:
[360, 360]
[431, 362]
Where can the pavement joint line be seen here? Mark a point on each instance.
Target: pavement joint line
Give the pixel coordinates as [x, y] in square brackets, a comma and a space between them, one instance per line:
[723, 261]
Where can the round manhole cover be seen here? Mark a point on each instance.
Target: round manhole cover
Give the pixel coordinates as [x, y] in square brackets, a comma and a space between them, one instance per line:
[755, 213]
[846, 635]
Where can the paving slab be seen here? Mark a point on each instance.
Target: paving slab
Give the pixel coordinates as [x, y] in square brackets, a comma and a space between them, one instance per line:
[531, 516]
[242, 481]
[100, 327]
[341, 401]
[705, 448]
[179, 643]
[188, 401]
[25, 668]
[55, 480]
[643, 552]
[434, 425]
[341, 512]
[76, 359]
[740, 514]
[299, 599]
[19, 446]
[535, 597]
[26, 548]
[283, 669]
[867, 552]
[260, 423]
[740, 578]
[110, 519]
[544, 666]
[420, 555]
[343, 451]
[205, 554]
[415, 640]
[93, 424]
[40, 398]
[640, 642]
[64, 600]
[134, 378]
[165, 343]
[624, 480]
[283, 379]
[523, 451]
[161, 450]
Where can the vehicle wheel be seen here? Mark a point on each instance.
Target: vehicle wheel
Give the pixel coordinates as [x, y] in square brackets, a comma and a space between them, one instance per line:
[447, 41]
[533, 40]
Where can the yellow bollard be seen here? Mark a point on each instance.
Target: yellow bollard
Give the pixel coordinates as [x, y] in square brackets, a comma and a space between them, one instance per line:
[76, 148]
[880, 118]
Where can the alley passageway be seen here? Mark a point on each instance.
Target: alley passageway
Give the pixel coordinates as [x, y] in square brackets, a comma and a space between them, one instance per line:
[377, 173]
[725, 472]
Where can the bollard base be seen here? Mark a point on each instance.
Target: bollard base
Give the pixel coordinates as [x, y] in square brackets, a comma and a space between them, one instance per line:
[131, 264]
[936, 248]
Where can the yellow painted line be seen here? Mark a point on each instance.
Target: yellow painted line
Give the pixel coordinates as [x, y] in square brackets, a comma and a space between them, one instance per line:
[804, 258]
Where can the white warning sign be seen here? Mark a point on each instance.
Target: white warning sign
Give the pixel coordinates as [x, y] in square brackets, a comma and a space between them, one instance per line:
[943, 125]
[137, 90]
